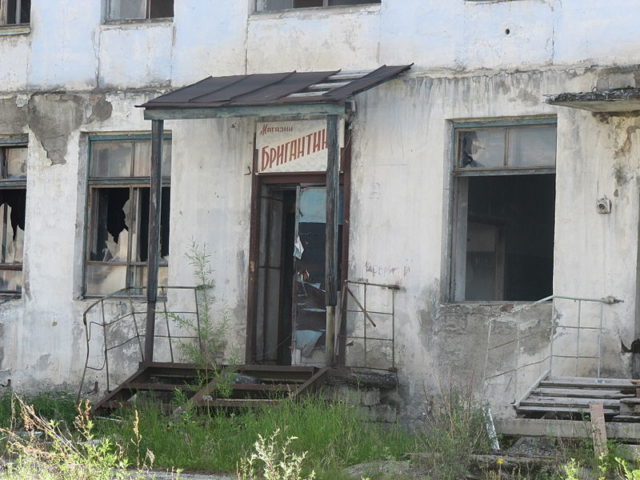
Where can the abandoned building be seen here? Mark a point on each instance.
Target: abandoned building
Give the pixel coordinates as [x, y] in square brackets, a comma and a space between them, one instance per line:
[447, 191]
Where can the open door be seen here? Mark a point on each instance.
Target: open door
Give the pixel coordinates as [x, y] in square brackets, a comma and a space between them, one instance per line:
[291, 313]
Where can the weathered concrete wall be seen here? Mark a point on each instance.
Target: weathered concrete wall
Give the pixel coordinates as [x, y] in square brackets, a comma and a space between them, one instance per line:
[71, 76]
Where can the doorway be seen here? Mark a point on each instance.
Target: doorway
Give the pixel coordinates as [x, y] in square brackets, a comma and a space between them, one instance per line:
[290, 308]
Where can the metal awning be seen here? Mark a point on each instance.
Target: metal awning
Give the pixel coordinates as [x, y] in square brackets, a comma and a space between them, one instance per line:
[268, 94]
[291, 94]
[605, 101]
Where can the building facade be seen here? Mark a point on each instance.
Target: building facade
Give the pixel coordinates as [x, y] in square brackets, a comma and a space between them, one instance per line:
[468, 192]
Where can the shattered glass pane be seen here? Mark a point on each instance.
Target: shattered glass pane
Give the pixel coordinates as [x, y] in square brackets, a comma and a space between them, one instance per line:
[105, 279]
[111, 159]
[16, 159]
[111, 224]
[140, 245]
[12, 224]
[482, 148]
[532, 146]
[127, 9]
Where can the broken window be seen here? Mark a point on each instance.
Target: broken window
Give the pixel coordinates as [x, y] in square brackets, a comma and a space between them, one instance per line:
[13, 193]
[15, 12]
[118, 219]
[139, 9]
[269, 5]
[504, 212]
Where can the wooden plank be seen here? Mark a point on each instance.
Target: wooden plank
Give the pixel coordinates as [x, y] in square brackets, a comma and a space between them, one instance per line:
[580, 392]
[586, 382]
[153, 243]
[159, 387]
[118, 392]
[598, 431]
[313, 383]
[257, 387]
[237, 402]
[564, 428]
[580, 410]
[567, 401]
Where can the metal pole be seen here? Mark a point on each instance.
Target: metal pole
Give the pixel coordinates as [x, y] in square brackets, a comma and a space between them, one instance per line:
[600, 339]
[331, 233]
[153, 251]
[578, 339]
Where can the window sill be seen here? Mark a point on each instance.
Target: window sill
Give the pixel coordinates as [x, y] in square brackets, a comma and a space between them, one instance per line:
[333, 10]
[136, 22]
[9, 30]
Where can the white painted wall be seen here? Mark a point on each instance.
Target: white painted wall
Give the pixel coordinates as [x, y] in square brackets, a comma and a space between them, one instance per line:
[466, 66]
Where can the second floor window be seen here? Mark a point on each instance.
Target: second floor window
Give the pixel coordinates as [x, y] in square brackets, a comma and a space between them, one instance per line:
[138, 9]
[270, 5]
[15, 12]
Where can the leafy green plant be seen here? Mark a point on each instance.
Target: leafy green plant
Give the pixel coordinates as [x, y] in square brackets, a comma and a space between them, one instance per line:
[273, 460]
[210, 332]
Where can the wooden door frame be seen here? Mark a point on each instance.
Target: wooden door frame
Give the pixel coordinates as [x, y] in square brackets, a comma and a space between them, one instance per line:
[257, 182]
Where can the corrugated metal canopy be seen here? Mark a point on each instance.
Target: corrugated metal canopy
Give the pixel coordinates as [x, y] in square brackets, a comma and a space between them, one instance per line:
[274, 89]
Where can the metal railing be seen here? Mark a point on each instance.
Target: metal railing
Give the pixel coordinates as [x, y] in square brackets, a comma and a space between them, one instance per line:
[555, 332]
[131, 318]
[352, 303]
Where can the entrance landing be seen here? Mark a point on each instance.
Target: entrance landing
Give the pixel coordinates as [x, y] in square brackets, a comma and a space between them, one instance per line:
[238, 386]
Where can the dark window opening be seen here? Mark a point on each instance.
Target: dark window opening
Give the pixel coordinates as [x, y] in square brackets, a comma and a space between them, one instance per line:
[510, 237]
[15, 12]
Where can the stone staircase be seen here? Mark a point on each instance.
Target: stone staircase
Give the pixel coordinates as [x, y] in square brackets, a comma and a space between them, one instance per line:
[244, 385]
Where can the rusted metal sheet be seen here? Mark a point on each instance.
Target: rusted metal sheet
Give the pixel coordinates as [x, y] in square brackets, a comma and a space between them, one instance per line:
[264, 89]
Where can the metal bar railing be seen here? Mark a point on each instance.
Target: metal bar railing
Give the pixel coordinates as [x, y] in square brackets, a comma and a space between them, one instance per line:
[106, 323]
[556, 331]
[361, 306]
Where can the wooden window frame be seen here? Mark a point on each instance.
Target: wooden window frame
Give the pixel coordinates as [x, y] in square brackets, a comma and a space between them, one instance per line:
[147, 17]
[11, 184]
[135, 184]
[325, 4]
[459, 187]
[20, 5]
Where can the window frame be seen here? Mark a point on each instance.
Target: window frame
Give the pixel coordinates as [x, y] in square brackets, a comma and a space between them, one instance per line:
[325, 5]
[147, 18]
[135, 184]
[8, 142]
[458, 186]
[4, 21]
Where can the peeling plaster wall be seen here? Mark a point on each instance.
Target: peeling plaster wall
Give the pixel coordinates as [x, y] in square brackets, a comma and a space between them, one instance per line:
[71, 75]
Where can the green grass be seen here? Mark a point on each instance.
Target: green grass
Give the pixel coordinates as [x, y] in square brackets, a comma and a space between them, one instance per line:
[334, 436]
[57, 406]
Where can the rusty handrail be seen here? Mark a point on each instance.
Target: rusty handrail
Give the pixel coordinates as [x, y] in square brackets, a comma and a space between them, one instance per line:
[125, 294]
